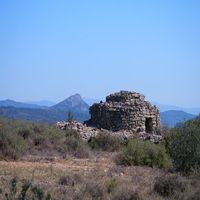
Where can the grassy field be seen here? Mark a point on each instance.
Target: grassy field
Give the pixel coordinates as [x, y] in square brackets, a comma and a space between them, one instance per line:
[97, 173]
[41, 162]
[95, 178]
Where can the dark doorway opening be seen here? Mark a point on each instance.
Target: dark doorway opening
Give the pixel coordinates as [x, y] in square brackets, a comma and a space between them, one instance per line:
[149, 125]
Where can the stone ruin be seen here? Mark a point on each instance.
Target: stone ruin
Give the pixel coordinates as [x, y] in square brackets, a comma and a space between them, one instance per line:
[124, 114]
[88, 132]
[125, 111]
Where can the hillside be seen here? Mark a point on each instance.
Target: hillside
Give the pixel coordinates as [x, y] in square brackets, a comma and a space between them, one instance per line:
[172, 117]
[164, 107]
[42, 103]
[11, 103]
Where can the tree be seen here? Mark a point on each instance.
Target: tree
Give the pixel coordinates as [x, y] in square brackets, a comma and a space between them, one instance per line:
[70, 116]
[184, 146]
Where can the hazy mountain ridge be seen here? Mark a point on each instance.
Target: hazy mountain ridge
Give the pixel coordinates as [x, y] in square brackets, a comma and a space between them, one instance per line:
[79, 107]
[58, 112]
[46, 103]
[164, 107]
[40, 115]
[12, 103]
[172, 117]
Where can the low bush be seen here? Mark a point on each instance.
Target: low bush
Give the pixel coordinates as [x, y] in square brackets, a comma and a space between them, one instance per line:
[76, 146]
[112, 184]
[95, 190]
[194, 196]
[170, 185]
[125, 193]
[18, 138]
[139, 152]
[106, 142]
[23, 191]
[11, 144]
[70, 180]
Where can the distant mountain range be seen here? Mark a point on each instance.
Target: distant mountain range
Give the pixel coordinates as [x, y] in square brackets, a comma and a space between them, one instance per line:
[42, 103]
[11, 103]
[74, 103]
[49, 112]
[163, 107]
[52, 114]
[171, 118]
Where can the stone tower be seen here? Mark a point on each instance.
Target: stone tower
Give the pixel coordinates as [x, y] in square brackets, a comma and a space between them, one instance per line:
[125, 111]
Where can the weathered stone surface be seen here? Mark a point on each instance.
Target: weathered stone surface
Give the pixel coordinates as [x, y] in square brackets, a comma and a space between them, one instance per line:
[124, 114]
[87, 132]
[125, 111]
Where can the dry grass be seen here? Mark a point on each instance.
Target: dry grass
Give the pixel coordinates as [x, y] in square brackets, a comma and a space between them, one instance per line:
[95, 170]
[90, 178]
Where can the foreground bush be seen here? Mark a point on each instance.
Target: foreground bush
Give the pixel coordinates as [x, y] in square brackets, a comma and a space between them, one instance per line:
[11, 143]
[183, 145]
[170, 185]
[18, 138]
[76, 146]
[106, 142]
[194, 196]
[70, 180]
[24, 191]
[139, 152]
[125, 193]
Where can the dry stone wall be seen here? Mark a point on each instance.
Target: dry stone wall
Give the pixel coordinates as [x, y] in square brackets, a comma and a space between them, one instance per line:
[125, 111]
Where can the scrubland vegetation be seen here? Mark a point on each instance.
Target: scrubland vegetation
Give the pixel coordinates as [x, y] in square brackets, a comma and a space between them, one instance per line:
[39, 161]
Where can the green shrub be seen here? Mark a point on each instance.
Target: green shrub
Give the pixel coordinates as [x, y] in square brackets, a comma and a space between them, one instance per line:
[139, 152]
[16, 137]
[112, 184]
[183, 145]
[95, 190]
[125, 193]
[25, 133]
[76, 146]
[106, 142]
[70, 180]
[11, 145]
[23, 191]
[170, 185]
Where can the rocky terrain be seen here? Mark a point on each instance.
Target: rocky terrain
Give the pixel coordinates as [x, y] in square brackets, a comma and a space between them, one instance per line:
[88, 132]
[124, 114]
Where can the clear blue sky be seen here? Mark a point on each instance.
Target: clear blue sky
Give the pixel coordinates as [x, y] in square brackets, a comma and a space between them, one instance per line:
[52, 49]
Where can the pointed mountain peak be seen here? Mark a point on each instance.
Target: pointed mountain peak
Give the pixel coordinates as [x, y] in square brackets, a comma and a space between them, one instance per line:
[74, 102]
[76, 97]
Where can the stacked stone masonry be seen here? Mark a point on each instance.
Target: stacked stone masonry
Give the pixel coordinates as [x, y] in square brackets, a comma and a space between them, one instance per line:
[125, 111]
